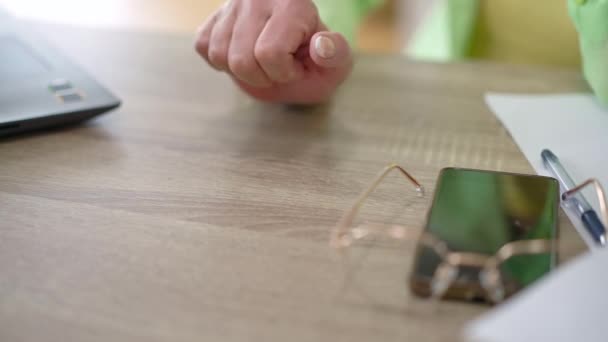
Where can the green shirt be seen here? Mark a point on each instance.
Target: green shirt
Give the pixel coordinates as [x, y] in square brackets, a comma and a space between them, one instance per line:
[447, 34]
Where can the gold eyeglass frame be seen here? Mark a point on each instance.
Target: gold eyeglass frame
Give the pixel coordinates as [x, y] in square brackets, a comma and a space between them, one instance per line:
[490, 278]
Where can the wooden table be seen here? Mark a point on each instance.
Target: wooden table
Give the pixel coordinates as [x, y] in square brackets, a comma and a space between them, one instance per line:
[196, 214]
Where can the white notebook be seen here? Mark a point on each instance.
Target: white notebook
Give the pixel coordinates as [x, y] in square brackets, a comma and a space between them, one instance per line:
[570, 305]
[573, 126]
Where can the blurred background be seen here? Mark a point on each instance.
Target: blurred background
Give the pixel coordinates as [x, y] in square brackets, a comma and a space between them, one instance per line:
[386, 30]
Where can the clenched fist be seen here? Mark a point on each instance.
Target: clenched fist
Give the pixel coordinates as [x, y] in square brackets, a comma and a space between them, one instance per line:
[276, 50]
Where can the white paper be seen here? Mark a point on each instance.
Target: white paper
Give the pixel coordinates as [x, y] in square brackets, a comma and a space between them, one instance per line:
[568, 305]
[573, 126]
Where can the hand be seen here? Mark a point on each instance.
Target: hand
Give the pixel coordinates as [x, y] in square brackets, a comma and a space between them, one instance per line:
[276, 50]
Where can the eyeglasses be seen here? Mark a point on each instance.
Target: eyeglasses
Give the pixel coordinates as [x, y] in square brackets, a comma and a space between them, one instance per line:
[569, 195]
[344, 237]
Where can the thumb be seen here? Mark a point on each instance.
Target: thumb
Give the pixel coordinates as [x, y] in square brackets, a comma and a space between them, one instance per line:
[330, 50]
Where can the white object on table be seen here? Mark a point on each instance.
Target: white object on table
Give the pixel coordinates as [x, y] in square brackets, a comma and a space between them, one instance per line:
[568, 305]
[573, 126]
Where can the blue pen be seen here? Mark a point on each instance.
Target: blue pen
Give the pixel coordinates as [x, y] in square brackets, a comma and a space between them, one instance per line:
[588, 216]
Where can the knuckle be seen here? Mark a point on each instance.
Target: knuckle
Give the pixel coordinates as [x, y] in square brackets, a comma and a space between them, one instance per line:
[217, 56]
[268, 54]
[202, 45]
[241, 64]
[304, 12]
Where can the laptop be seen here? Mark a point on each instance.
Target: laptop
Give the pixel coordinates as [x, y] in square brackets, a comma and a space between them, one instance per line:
[39, 87]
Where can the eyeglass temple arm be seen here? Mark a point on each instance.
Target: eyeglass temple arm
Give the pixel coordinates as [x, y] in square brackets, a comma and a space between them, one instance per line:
[347, 220]
[599, 191]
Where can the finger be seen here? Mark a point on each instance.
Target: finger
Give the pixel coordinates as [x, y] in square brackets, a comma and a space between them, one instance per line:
[204, 35]
[219, 43]
[330, 50]
[276, 46]
[241, 57]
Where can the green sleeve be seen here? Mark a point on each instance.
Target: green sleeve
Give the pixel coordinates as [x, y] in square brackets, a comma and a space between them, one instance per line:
[344, 16]
[591, 21]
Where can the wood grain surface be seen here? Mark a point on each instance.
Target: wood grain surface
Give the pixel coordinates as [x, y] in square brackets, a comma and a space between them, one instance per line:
[196, 214]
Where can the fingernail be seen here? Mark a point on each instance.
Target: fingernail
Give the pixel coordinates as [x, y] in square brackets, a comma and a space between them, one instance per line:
[325, 47]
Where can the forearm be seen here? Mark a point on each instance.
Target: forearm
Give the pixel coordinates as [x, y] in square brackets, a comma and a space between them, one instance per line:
[344, 16]
[591, 20]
